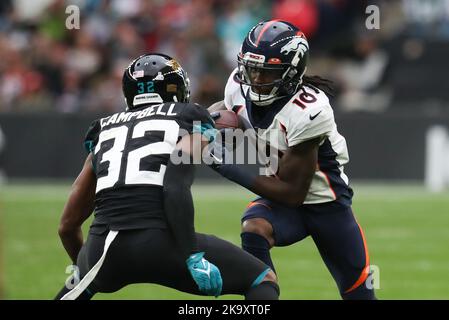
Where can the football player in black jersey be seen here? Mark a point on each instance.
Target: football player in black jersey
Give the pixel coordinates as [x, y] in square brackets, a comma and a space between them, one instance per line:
[143, 230]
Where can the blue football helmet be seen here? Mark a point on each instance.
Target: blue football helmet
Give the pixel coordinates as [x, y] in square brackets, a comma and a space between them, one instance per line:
[272, 61]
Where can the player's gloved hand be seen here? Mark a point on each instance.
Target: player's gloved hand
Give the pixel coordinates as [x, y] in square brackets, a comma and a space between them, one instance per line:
[222, 147]
[206, 275]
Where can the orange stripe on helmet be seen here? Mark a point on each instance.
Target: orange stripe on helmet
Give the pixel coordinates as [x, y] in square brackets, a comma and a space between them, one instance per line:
[269, 23]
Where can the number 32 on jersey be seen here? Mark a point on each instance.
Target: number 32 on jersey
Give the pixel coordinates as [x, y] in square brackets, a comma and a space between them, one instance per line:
[115, 155]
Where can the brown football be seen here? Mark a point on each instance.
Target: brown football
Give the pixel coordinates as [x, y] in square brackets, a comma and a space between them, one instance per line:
[228, 119]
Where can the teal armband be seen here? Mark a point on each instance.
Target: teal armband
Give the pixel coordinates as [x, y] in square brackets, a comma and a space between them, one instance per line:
[206, 130]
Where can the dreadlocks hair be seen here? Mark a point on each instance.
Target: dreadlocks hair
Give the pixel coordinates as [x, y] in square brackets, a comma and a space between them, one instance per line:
[317, 82]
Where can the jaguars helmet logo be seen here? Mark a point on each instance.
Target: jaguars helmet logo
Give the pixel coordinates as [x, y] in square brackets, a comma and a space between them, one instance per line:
[174, 65]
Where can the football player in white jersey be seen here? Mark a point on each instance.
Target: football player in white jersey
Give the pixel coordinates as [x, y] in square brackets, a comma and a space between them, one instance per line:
[310, 194]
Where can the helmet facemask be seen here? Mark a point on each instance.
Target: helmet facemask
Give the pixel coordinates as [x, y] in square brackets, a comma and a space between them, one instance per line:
[278, 80]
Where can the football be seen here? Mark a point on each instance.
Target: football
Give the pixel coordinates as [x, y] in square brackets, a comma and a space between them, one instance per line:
[227, 119]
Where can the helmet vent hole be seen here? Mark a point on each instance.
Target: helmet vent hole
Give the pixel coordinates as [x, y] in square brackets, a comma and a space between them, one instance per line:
[154, 63]
[138, 64]
[274, 27]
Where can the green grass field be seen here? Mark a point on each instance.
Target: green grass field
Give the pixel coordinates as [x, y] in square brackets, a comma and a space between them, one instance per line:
[407, 230]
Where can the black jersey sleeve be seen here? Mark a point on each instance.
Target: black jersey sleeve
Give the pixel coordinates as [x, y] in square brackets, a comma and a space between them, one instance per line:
[196, 118]
[91, 137]
[178, 205]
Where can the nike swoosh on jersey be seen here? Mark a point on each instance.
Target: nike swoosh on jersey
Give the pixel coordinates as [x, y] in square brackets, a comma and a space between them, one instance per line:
[313, 117]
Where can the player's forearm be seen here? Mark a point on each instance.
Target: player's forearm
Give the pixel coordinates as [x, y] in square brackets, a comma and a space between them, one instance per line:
[70, 226]
[178, 205]
[72, 240]
[268, 187]
[78, 208]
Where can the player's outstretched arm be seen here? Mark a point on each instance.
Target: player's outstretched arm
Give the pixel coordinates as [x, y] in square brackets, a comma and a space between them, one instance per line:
[178, 205]
[179, 210]
[78, 208]
[290, 187]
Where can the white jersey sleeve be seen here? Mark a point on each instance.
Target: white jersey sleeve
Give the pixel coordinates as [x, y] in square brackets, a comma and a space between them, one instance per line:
[315, 120]
[232, 94]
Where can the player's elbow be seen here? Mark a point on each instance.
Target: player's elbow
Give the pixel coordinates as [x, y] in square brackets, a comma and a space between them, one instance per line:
[63, 230]
[66, 229]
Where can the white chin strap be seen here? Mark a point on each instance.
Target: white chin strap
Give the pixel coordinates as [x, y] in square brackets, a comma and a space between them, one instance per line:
[263, 99]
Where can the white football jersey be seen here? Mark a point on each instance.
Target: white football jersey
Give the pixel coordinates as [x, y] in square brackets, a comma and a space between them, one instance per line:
[306, 115]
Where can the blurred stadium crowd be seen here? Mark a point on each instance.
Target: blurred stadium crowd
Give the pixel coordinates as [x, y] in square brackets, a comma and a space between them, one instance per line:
[46, 67]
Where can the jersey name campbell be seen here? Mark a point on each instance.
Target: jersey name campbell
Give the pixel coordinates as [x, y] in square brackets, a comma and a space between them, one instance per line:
[130, 153]
[295, 119]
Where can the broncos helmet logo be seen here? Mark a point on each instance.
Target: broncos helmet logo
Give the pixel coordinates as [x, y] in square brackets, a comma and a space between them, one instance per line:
[296, 44]
[299, 45]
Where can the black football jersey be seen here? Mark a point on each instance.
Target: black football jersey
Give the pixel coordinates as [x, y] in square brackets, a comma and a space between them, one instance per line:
[130, 152]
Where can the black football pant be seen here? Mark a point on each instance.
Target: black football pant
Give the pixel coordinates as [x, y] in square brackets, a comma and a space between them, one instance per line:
[151, 256]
